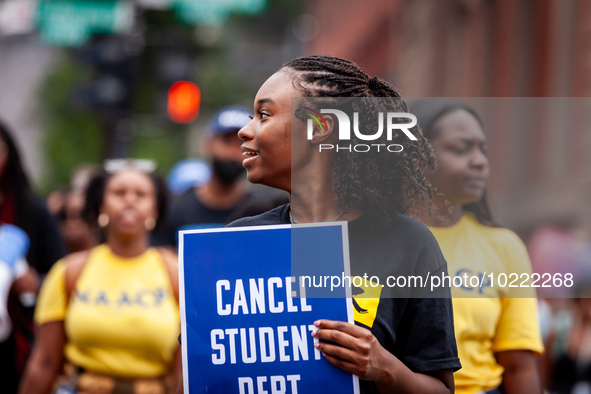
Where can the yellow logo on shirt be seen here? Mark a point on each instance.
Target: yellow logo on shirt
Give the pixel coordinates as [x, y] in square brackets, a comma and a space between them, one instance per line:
[366, 299]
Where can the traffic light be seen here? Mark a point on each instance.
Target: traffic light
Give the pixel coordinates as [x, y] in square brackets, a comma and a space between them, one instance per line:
[184, 99]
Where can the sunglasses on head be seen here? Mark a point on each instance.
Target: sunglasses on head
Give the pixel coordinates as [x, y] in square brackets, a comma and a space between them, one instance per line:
[113, 166]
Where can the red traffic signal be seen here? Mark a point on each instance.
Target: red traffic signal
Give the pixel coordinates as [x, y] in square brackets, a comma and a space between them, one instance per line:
[184, 99]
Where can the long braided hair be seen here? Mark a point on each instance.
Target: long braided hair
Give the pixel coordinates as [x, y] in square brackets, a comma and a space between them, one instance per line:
[380, 184]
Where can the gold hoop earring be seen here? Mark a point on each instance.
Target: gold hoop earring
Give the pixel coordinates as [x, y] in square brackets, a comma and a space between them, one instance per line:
[103, 220]
[150, 223]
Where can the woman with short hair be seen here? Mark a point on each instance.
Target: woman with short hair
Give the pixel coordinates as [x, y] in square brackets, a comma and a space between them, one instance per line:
[111, 311]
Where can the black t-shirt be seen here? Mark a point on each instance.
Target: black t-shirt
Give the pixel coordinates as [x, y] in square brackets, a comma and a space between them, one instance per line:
[187, 212]
[46, 242]
[418, 331]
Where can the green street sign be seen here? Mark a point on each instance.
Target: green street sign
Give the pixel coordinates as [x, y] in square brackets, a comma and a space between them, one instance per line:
[215, 12]
[72, 22]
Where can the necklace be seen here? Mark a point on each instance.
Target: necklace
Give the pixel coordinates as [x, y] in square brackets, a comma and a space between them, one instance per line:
[294, 222]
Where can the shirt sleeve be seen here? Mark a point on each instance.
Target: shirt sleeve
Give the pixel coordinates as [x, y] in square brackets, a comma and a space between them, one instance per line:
[516, 262]
[51, 304]
[519, 327]
[428, 336]
[428, 322]
[427, 327]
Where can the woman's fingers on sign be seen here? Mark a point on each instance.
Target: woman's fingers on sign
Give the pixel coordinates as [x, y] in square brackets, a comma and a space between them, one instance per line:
[350, 347]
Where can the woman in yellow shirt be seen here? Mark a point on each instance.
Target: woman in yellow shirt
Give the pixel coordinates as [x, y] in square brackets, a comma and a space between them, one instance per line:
[497, 333]
[111, 312]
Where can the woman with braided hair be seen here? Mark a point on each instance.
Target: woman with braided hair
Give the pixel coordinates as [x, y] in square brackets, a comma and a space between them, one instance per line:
[397, 180]
[402, 341]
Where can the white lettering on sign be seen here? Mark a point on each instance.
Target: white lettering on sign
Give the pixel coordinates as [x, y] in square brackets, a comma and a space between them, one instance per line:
[269, 385]
[291, 341]
[251, 299]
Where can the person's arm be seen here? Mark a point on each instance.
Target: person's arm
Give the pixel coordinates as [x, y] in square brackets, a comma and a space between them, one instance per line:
[520, 375]
[46, 360]
[175, 376]
[546, 361]
[361, 354]
[170, 259]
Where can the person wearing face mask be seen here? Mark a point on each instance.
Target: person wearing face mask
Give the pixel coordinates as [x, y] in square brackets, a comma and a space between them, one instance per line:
[211, 204]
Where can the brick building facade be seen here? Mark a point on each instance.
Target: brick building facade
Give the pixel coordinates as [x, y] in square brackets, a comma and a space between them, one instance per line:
[524, 64]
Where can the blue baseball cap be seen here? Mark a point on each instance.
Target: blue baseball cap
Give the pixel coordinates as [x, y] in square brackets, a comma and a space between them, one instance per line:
[186, 174]
[228, 120]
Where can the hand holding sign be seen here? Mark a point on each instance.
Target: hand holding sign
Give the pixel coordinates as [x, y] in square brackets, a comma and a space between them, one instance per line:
[245, 331]
[359, 352]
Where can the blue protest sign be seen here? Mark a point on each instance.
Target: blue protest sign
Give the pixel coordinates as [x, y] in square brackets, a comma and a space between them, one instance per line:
[244, 330]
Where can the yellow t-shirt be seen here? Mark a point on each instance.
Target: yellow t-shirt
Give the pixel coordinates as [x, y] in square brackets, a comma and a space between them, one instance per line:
[122, 320]
[486, 319]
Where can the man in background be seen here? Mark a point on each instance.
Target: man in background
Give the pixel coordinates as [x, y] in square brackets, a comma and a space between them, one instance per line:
[210, 205]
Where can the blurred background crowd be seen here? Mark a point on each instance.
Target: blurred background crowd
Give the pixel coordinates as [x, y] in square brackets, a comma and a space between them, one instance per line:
[172, 80]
